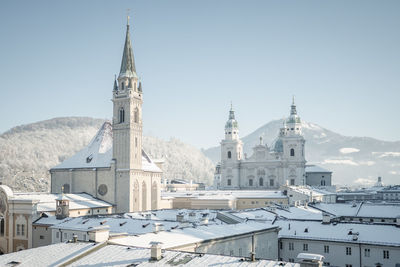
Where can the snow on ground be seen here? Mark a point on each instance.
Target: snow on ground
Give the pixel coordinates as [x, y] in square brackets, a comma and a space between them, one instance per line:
[348, 150]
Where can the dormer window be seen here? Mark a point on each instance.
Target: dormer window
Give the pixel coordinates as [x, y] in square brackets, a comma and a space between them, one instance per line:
[121, 115]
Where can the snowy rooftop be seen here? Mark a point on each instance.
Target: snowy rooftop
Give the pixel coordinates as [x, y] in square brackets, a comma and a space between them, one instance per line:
[308, 190]
[315, 168]
[98, 154]
[185, 236]
[47, 201]
[52, 255]
[113, 255]
[374, 210]
[130, 223]
[367, 233]
[170, 214]
[123, 256]
[291, 213]
[225, 194]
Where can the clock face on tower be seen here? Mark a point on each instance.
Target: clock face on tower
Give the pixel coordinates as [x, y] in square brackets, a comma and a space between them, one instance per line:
[59, 210]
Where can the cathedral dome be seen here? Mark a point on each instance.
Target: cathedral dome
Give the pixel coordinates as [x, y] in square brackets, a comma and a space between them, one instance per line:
[231, 123]
[293, 119]
[278, 145]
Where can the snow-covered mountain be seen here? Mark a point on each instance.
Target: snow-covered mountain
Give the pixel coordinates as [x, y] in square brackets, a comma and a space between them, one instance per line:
[353, 160]
[29, 151]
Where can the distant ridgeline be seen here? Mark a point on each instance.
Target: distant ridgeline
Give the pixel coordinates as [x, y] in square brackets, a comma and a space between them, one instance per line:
[29, 151]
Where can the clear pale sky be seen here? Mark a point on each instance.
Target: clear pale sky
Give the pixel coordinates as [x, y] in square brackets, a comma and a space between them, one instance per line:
[341, 59]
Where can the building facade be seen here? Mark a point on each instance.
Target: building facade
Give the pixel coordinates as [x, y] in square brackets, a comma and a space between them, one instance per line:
[114, 166]
[268, 167]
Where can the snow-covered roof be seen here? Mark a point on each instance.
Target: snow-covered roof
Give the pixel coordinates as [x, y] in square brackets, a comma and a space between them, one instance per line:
[98, 154]
[114, 255]
[370, 210]
[270, 213]
[47, 201]
[315, 168]
[367, 233]
[52, 255]
[308, 190]
[185, 236]
[170, 215]
[122, 256]
[130, 223]
[225, 194]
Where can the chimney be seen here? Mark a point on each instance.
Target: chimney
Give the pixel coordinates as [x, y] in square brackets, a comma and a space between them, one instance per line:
[155, 251]
[158, 227]
[179, 217]
[326, 218]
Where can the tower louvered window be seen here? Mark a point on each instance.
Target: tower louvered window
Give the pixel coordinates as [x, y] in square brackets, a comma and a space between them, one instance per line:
[121, 115]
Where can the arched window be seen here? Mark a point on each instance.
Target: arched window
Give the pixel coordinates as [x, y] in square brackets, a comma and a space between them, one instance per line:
[2, 227]
[121, 115]
[292, 152]
[136, 115]
[229, 154]
[250, 182]
[261, 181]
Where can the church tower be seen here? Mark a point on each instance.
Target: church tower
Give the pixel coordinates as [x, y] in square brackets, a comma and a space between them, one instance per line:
[231, 152]
[293, 148]
[127, 126]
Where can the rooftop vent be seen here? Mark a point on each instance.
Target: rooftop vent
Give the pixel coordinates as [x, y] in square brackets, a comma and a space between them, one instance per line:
[89, 158]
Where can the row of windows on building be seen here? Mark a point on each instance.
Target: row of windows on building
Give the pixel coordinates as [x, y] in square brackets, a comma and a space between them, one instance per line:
[348, 250]
[65, 237]
[260, 182]
[20, 230]
[229, 153]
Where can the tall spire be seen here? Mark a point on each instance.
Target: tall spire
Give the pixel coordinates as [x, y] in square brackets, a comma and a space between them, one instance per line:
[128, 68]
[231, 113]
[293, 110]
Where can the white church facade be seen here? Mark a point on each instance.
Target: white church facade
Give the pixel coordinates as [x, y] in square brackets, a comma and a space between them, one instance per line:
[114, 166]
[268, 167]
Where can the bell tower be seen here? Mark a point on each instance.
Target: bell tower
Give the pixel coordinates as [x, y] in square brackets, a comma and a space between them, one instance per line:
[127, 112]
[293, 148]
[127, 128]
[231, 153]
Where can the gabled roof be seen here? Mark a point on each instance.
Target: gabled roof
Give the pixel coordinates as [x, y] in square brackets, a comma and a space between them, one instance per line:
[98, 154]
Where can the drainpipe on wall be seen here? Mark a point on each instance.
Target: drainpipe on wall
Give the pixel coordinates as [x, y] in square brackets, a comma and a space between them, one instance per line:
[253, 249]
